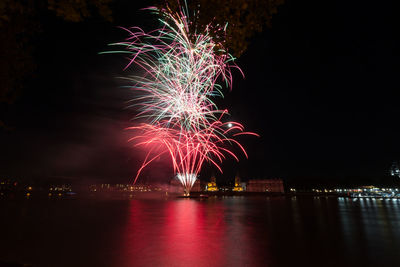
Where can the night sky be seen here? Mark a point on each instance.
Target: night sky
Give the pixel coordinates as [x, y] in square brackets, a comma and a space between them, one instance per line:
[320, 88]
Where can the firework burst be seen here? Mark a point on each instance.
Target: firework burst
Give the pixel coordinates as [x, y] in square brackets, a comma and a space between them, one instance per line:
[179, 78]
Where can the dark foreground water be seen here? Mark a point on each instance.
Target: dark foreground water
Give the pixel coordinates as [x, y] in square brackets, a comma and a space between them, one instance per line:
[231, 231]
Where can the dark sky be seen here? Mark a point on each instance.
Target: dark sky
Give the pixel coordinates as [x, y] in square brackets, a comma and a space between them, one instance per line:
[320, 88]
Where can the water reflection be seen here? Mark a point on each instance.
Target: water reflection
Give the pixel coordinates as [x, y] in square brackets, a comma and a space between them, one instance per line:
[182, 232]
[371, 229]
[231, 231]
[261, 232]
[194, 234]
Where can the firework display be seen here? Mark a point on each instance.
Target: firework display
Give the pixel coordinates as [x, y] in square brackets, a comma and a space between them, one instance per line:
[179, 72]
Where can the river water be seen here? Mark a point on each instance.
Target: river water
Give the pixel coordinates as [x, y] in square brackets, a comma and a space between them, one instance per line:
[224, 231]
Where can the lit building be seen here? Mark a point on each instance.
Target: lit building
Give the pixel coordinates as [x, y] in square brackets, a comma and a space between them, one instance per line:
[266, 185]
[395, 170]
[212, 185]
[238, 186]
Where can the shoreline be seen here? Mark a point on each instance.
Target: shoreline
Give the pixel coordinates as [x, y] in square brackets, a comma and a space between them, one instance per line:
[168, 195]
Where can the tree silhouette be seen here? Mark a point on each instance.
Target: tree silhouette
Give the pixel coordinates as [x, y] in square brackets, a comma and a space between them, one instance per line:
[20, 22]
[244, 18]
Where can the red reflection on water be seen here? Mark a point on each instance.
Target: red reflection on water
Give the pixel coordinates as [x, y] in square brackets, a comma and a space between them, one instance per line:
[194, 234]
[174, 233]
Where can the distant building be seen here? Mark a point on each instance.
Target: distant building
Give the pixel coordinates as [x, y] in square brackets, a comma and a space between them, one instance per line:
[238, 186]
[266, 185]
[395, 170]
[212, 185]
[199, 186]
[196, 186]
